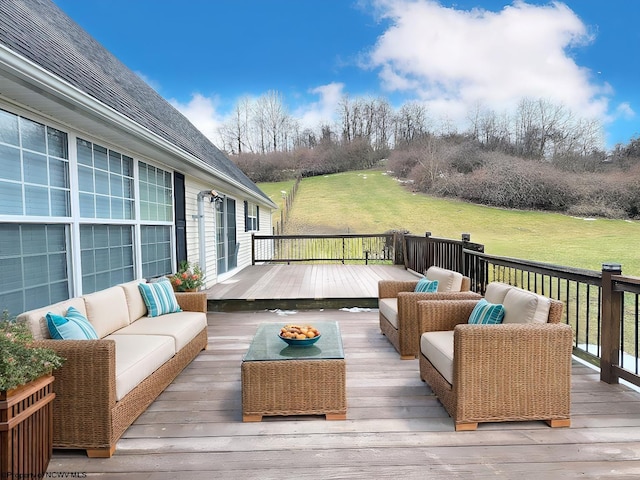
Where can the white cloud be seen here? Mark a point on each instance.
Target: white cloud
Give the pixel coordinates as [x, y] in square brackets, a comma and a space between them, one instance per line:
[453, 59]
[201, 111]
[625, 111]
[323, 111]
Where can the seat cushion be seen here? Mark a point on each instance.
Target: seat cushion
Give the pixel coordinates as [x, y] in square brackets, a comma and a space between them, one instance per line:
[496, 291]
[107, 310]
[448, 280]
[521, 306]
[437, 347]
[182, 327]
[389, 309]
[137, 357]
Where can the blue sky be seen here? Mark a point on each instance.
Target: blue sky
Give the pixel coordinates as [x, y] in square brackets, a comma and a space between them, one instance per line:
[204, 55]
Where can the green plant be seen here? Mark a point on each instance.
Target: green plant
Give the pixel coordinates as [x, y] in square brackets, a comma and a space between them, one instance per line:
[20, 362]
[188, 277]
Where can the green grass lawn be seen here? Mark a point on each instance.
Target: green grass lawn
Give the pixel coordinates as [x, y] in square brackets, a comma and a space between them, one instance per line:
[373, 202]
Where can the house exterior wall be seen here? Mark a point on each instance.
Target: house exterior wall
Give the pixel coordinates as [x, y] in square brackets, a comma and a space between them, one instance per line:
[58, 249]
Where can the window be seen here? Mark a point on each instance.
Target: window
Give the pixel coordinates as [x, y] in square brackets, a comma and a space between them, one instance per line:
[251, 217]
[34, 262]
[34, 168]
[36, 255]
[105, 179]
[106, 256]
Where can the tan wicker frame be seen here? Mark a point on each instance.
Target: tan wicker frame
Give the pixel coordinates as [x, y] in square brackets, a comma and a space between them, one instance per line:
[86, 413]
[406, 338]
[317, 387]
[508, 372]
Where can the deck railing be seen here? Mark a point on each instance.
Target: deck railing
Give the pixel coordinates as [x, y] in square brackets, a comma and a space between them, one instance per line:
[375, 248]
[602, 307]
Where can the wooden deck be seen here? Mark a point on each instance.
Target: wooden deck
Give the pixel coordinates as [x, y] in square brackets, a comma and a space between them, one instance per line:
[395, 427]
[303, 286]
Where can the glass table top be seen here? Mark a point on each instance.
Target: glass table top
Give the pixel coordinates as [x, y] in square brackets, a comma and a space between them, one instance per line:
[266, 344]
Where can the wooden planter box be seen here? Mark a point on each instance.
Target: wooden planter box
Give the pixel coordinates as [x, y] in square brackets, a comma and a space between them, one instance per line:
[26, 429]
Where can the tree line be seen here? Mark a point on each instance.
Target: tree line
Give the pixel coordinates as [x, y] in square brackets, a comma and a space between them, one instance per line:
[541, 155]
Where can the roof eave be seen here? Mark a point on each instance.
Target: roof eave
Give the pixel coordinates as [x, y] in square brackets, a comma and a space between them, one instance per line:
[30, 85]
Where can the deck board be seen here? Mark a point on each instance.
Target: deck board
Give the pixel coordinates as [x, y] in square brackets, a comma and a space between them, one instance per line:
[280, 281]
[395, 426]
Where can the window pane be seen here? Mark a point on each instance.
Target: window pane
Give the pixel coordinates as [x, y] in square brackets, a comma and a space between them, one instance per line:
[85, 156]
[35, 168]
[156, 250]
[58, 173]
[9, 239]
[10, 198]
[85, 179]
[87, 206]
[33, 135]
[57, 143]
[36, 256]
[102, 182]
[60, 203]
[34, 239]
[36, 200]
[104, 266]
[10, 163]
[100, 157]
[103, 209]
[9, 128]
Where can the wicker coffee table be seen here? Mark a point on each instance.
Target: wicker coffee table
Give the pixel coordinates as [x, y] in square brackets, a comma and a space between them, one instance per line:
[278, 379]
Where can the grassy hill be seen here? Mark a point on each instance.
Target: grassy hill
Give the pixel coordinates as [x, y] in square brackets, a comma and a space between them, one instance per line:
[373, 202]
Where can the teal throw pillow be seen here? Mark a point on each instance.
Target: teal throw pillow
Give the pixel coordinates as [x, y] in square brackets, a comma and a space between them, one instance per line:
[426, 286]
[485, 313]
[73, 326]
[159, 298]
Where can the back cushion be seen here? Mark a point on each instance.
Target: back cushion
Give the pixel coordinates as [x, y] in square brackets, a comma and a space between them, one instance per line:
[107, 310]
[135, 302]
[448, 280]
[521, 306]
[37, 321]
[496, 292]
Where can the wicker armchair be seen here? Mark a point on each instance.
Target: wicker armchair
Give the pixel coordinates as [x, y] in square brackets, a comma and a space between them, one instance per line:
[398, 305]
[505, 372]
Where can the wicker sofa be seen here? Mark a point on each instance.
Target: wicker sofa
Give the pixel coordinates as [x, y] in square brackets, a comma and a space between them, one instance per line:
[105, 384]
[398, 306]
[514, 371]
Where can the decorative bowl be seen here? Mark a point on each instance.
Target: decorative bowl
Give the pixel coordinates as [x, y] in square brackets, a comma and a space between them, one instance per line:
[300, 343]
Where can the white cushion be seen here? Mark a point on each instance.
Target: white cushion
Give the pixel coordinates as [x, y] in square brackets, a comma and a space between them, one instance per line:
[496, 291]
[448, 280]
[107, 310]
[389, 309]
[437, 347]
[521, 306]
[137, 357]
[182, 327]
[37, 321]
[135, 302]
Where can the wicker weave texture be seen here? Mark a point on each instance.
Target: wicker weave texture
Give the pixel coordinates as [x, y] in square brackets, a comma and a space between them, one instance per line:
[406, 339]
[508, 372]
[294, 387]
[87, 415]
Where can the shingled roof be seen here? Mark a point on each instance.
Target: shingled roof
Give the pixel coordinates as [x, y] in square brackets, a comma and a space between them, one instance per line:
[41, 32]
